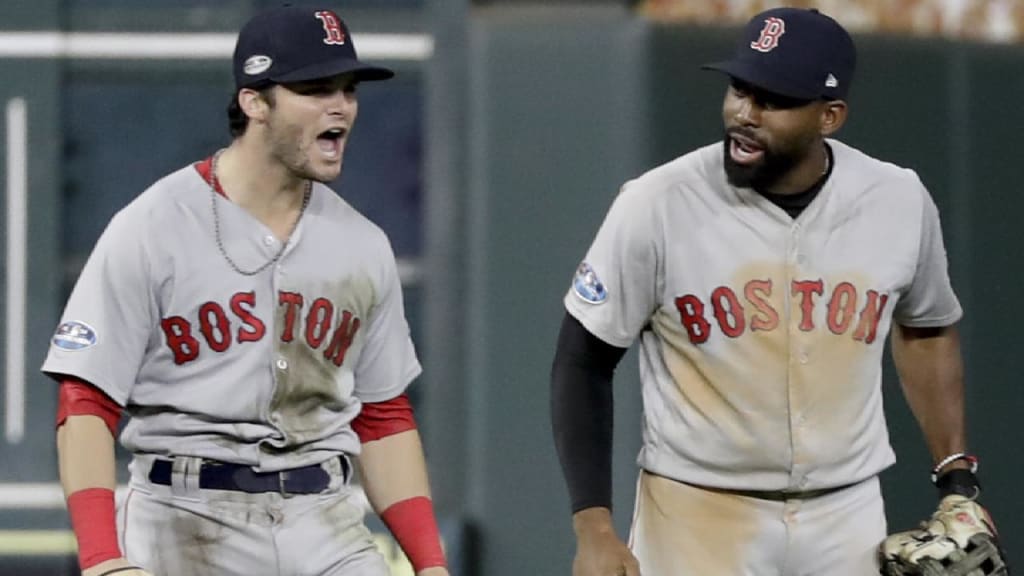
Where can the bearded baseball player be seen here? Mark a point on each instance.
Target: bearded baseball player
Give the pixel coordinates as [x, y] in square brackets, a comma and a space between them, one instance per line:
[762, 276]
[250, 322]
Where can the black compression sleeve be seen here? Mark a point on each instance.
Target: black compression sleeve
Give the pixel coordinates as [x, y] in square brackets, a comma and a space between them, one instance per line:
[582, 413]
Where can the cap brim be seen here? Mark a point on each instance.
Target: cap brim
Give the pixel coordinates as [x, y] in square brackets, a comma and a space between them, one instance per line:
[758, 77]
[362, 71]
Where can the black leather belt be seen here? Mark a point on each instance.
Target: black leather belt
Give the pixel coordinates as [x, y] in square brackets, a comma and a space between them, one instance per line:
[310, 479]
[780, 495]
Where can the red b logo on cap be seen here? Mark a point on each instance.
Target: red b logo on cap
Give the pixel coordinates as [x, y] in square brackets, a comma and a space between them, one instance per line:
[769, 40]
[332, 26]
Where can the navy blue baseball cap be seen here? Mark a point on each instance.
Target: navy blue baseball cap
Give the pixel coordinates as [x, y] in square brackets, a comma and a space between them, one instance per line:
[794, 52]
[295, 44]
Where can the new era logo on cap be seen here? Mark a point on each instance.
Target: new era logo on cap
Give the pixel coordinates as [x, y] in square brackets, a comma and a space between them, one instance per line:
[794, 52]
[297, 44]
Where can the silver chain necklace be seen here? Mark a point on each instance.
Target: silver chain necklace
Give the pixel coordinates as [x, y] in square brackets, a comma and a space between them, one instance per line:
[214, 184]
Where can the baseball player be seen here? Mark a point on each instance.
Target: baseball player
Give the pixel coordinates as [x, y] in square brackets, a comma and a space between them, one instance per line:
[251, 323]
[762, 276]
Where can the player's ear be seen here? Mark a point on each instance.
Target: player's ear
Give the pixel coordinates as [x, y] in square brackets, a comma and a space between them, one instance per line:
[253, 104]
[833, 116]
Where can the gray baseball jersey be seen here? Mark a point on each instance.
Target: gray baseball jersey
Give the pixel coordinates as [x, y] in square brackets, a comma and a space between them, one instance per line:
[265, 370]
[761, 336]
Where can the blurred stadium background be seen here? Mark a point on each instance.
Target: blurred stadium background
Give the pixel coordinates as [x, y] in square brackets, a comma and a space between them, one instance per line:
[490, 161]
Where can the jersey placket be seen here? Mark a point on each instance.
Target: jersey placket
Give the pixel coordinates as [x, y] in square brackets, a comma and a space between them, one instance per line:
[278, 280]
[804, 332]
[799, 355]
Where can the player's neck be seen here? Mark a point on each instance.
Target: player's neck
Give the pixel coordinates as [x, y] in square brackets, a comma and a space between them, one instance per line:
[804, 175]
[268, 191]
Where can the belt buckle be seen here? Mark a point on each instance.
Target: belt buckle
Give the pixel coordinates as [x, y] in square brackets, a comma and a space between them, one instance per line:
[282, 478]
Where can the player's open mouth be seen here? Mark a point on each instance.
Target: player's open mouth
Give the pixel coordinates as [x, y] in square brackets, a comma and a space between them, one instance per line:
[744, 150]
[330, 141]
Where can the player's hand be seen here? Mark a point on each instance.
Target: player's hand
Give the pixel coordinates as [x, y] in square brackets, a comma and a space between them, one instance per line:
[599, 551]
[114, 564]
[435, 571]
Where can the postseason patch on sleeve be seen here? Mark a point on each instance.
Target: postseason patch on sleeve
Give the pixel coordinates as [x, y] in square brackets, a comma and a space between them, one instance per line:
[74, 336]
[588, 286]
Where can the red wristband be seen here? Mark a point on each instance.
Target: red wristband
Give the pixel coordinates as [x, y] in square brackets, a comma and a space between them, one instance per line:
[92, 519]
[413, 525]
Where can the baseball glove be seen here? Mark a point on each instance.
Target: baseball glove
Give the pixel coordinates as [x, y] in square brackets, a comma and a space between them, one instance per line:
[959, 540]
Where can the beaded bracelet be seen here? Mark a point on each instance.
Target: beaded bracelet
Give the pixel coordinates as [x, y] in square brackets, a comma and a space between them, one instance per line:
[972, 460]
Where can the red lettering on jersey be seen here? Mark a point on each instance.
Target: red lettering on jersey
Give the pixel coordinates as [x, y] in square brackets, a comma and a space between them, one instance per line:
[806, 289]
[691, 314]
[178, 332]
[318, 322]
[292, 301]
[719, 297]
[842, 307]
[773, 29]
[756, 292]
[867, 327]
[342, 339]
[332, 27]
[253, 329]
[733, 317]
[206, 326]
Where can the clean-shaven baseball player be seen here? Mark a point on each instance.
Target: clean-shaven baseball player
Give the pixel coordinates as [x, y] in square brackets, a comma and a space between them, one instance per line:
[762, 276]
[251, 323]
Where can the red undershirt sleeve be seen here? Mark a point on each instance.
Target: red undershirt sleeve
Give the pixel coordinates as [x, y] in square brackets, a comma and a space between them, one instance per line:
[380, 419]
[79, 398]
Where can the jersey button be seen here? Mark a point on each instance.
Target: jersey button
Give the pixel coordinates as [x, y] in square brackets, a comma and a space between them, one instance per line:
[804, 358]
[282, 364]
[268, 240]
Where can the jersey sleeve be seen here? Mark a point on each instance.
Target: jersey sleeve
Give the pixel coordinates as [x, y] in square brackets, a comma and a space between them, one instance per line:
[106, 323]
[388, 362]
[614, 291]
[930, 300]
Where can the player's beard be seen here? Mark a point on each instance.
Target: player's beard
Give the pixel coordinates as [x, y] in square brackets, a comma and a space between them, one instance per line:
[285, 144]
[774, 164]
